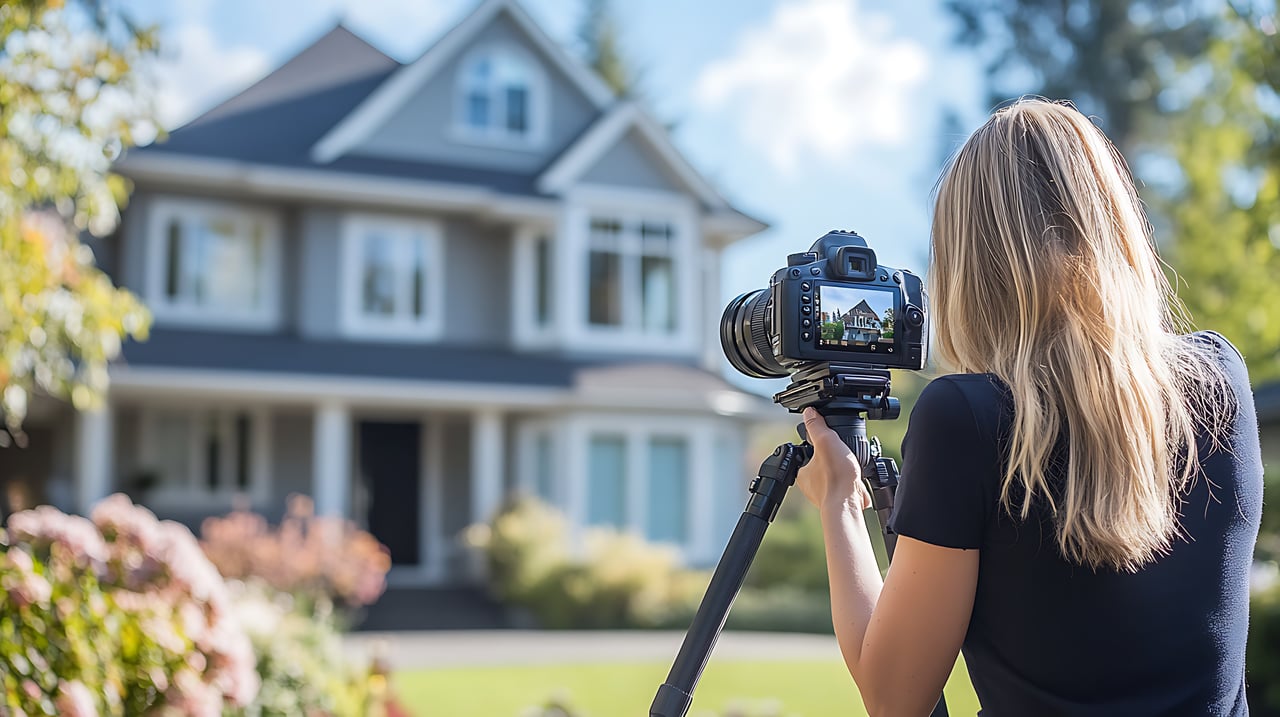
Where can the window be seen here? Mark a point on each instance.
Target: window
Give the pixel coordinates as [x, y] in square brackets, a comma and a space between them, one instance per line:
[213, 263]
[394, 278]
[668, 510]
[644, 466]
[500, 96]
[631, 282]
[203, 452]
[542, 281]
[607, 481]
[544, 467]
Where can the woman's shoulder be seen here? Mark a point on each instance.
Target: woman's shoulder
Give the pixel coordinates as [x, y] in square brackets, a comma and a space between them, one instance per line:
[956, 390]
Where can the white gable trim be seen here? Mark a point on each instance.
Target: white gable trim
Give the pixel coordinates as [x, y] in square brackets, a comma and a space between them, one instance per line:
[606, 133]
[392, 94]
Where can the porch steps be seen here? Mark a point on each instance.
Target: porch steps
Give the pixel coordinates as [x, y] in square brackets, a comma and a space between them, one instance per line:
[451, 608]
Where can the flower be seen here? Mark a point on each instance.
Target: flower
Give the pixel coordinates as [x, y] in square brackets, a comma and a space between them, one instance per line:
[75, 700]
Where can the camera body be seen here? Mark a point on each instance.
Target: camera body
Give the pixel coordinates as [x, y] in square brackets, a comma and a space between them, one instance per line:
[834, 303]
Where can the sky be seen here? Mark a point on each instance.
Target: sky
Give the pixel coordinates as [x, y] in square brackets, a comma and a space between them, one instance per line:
[808, 114]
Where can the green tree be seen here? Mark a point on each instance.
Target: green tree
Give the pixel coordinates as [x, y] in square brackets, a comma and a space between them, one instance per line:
[1112, 57]
[71, 99]
[599, 36]
[1225, 207]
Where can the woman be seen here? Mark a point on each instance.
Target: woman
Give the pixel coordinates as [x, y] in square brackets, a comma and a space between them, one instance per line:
[1080, 500]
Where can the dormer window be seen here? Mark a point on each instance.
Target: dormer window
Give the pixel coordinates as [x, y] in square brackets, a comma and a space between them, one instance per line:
[501, 98]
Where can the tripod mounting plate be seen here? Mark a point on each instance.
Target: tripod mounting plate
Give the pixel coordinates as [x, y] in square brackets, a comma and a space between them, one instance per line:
[841, 389]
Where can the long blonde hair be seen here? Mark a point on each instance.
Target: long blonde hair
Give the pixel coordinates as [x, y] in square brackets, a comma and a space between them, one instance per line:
[1043, 272]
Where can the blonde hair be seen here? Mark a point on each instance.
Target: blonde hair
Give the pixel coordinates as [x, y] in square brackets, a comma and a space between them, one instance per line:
[1043, 272]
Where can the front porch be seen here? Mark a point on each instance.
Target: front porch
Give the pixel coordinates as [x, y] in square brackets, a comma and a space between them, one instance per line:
[415, 478]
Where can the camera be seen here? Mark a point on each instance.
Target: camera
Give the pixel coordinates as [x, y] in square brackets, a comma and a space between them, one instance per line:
[833, 303]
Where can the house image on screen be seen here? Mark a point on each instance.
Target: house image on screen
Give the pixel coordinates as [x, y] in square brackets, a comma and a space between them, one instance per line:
[861, 324]
[411, 290]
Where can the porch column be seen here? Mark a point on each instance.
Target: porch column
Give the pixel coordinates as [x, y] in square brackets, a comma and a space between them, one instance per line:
[486, 464]
[331, 458]
[93, 457]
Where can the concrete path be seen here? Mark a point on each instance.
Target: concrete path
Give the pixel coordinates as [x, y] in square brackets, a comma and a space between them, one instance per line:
[467, 648]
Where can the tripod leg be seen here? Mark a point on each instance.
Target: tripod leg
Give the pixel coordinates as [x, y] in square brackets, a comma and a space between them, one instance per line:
[776, 475]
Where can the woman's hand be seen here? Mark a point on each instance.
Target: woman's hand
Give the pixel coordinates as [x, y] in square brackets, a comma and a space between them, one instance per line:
[832, 478]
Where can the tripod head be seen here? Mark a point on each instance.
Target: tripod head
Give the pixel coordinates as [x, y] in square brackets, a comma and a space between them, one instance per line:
[847, 396]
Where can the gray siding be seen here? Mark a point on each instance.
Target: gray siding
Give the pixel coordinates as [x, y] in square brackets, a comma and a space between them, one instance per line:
[131, 255]
[318, 263]
[631, 163]
[477, 280]
[423, 128]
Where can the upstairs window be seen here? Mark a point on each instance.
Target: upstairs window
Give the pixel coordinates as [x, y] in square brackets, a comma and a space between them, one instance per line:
[631, 280]
[500, 97]
[212, 262]
[393, 278]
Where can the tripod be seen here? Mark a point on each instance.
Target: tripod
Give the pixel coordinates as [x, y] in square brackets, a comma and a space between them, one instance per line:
[847, 396]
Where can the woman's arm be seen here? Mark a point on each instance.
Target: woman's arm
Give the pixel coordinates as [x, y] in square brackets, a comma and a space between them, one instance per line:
[899, 638]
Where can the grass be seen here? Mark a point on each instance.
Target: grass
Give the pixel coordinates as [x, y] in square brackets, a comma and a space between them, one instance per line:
[801, 688]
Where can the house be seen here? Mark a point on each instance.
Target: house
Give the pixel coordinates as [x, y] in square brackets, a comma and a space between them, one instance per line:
[411, 290]
[861, 324]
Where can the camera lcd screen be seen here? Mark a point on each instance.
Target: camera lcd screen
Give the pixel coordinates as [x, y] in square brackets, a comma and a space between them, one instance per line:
[856, 319]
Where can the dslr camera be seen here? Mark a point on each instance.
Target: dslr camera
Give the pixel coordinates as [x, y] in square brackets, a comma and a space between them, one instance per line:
[833, 304]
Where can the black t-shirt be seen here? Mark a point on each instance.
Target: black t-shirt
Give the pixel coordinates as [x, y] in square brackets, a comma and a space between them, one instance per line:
[1051, 638]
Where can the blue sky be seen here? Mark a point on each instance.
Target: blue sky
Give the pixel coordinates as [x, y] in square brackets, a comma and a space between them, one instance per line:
[811, 114]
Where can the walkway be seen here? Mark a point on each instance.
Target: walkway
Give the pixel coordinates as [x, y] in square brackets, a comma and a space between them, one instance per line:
[466, 648]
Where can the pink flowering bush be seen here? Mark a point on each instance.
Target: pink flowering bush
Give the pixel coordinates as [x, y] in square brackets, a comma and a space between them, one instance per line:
[120, 614]
[321, 561]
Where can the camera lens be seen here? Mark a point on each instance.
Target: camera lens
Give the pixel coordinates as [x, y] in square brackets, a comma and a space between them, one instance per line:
[744, 336]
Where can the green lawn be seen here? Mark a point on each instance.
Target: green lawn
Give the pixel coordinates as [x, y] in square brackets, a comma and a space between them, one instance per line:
[803, 689]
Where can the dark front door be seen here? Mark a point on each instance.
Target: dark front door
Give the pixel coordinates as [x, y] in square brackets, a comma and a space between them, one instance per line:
[389, 465]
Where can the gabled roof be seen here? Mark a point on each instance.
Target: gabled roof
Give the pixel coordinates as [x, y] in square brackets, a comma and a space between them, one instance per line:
[606, 132]
[380, 105]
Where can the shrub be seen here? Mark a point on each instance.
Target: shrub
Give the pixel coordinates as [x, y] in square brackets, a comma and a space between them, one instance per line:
[321, 561]
[618, 581]
[792, 554]
[301, 662]
[121, 615]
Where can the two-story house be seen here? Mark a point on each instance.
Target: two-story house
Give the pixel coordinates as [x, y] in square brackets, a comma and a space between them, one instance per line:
[407, 290]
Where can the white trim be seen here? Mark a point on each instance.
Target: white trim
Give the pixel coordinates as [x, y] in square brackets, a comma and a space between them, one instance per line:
[305, 389]
[333, 448]
[164, 209]
[604, 135]
[354, 322]
[537, 109]
[392, 94]
[528, 332]
[319, 186]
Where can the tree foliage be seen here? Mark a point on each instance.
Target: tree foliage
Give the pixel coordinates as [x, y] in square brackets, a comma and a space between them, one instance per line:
[1112, 57]
[72, 98]
[1225, 210]
[599, 36]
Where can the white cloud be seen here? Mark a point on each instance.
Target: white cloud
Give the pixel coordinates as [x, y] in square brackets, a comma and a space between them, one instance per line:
[199, 71]
[822, 79]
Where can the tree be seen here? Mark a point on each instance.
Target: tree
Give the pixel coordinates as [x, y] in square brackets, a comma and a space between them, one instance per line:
[71, 99]
[1225, 209]
[598, 33]
[1113, 58]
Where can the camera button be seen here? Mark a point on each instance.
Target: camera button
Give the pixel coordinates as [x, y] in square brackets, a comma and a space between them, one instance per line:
[807, 323]
[804, 286]
[805, 310]
[815, 271]
[806, 336]
[897, 277]
[795, 273]
[805, 298]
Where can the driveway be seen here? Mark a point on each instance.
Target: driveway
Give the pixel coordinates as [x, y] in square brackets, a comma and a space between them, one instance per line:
[470, 648]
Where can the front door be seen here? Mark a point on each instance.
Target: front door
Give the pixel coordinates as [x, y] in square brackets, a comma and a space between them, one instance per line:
[389, 465]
